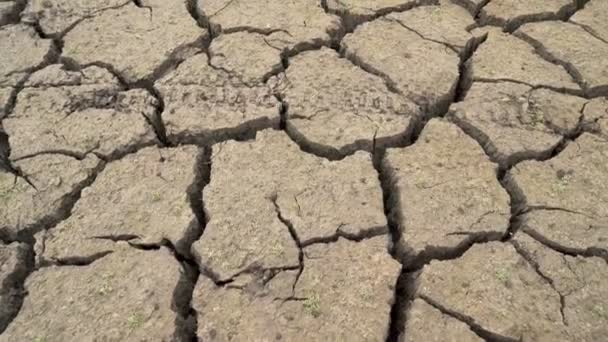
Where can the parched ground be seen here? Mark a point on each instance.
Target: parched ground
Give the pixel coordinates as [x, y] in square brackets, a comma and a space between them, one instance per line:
[304, 170]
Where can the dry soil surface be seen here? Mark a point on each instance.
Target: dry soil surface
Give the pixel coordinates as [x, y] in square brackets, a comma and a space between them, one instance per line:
[304, 170]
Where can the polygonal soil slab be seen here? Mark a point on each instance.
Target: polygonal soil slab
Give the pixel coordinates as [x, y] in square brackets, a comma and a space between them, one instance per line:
[596, 116]
[343, 294]
[510, 14]
[593, 19]
[446, 24]
[54, 181]
[571, 193]
[335, 108]
[582, 54]
[494, 287]
[426, 323]
[522, 64]
[246, 56]
[291, 25]
[158, 34]
[423, 70]
[514, 122]
[125, 296]
[14, 264]
[355, 12]
[445, 194]
[580, 281]
[55, 17]
[79, 112]
[142, 198]
[263, 192]
[22, 50]
[205, 102]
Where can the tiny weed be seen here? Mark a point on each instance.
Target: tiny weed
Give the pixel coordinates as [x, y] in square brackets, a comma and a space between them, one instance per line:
[312, 305]
[156, 197]
[40, 339]
[503, 276]
[136, 320]
[600, 311]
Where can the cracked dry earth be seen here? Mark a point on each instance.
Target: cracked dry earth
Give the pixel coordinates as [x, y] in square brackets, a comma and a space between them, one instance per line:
[304, 170]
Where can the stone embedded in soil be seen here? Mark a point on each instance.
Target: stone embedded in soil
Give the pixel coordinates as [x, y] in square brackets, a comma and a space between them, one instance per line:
[142, 197]
[426, 323]
[572, 188]
[158, 33]
[291, 25]
[446, 190]
[78, 112]
[496, 288]
[446, 23]
[571, 45]
[205, 103]
[596, 116]
[14, 264]
[346, 291]
[55, 17]
[336, 108]
[247, 56]
[593, 18]
[514, 122]
[22, 50]
[581, 282]
[55, 178]
[259, 188]
[126, 295]
[384, 46]
[511, 14]
[521, 64]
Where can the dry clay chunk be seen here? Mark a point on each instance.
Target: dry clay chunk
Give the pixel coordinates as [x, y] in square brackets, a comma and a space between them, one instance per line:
[204, 102]
[593, 18]
[521, 64]
[354, 12]
[14, 264]
[512, 13]
[570, 45]
[492, 285]
[55, 17]
[515, 122]
[142, 197]
[246, 55]
[582, 283]
[54, 178]
[395, 51]
[291, 25]
[328, 312]
[446, 186]
[125, 296]
[428, 324]
[158, 32]
[337, 108]
[79, 112]
[22, 50]
[596, 116]
[258, 189]
[446, 24]
[575, 185]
